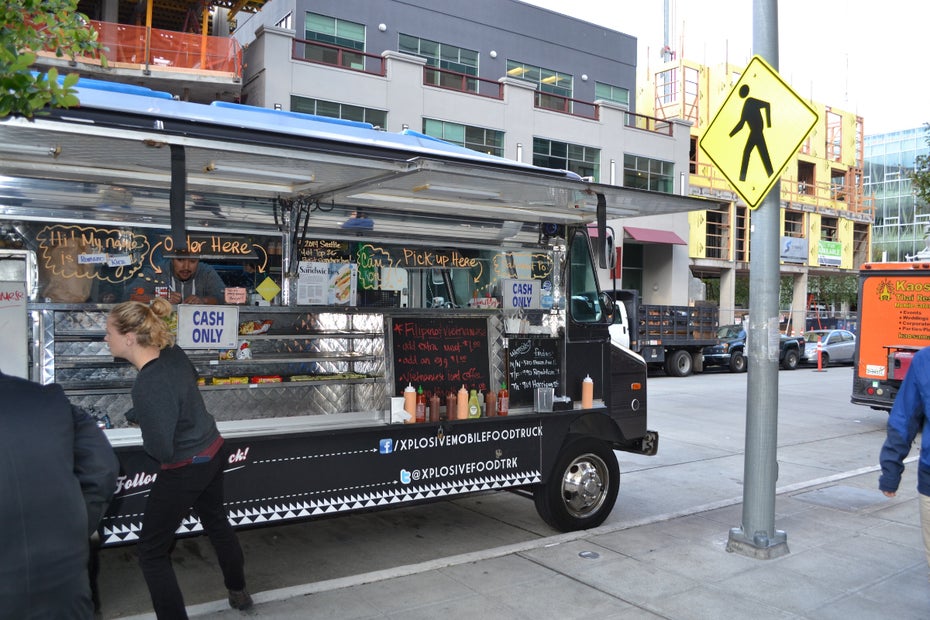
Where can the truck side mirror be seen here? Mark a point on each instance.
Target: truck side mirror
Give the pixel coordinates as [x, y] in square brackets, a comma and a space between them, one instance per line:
[607, 303]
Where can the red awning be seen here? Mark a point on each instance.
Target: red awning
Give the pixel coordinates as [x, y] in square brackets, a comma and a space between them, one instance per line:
[652, 235]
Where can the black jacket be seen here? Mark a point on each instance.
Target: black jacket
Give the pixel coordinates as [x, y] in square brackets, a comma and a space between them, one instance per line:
[57, 474]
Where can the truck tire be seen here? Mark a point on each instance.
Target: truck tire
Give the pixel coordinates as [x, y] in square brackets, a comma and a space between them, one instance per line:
[790, 361]
[679, 364]
[582, 488]
[737, 362]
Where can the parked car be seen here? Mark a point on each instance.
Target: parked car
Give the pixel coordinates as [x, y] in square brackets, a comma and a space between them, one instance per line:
[730, 352]
[838, 345]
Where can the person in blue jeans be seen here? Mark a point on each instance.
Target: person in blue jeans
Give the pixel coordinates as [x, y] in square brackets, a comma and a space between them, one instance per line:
[909, 416]
[179, 433]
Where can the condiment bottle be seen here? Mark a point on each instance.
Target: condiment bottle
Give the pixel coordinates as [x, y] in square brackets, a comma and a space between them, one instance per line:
[503, 400]
[451, 406]
[421, 406]
[434, 407]
[461, 403]
[474, 405]
[489, 405]
[587, 392]
[410, 403]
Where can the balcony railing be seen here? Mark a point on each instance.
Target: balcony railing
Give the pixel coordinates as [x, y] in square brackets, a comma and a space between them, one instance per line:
[462, 82]
[647, 123]
[567, 105]
[816, 195]
[152, 47]
[333, 55]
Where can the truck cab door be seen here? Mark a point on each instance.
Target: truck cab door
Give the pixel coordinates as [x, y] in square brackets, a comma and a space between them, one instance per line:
[587, 321]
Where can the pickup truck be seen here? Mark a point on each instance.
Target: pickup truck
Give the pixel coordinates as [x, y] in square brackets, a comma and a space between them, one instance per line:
[730, 351]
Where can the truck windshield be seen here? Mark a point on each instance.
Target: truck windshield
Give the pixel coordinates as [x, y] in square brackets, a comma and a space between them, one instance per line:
[585, 302]
[729, 332]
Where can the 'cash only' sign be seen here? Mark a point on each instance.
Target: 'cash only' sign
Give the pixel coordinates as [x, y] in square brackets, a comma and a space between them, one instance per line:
[208, 327]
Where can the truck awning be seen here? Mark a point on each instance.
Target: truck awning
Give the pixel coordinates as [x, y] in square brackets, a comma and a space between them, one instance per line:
[111, 159]
[652, 235]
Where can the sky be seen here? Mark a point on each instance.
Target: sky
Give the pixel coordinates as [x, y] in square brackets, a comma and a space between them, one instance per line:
[861, 56]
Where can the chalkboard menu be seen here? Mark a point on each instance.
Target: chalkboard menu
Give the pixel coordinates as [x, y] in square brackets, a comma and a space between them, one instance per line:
[441, 354]
[323, 251]
[533, 362]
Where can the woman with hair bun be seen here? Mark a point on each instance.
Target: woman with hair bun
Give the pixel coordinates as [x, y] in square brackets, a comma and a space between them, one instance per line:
[179, 433]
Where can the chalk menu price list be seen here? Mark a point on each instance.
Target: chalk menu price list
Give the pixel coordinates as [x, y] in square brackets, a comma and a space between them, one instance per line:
[533, 363]
[441, 354]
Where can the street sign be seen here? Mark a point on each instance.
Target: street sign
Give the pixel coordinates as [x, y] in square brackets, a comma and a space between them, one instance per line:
[757, 131]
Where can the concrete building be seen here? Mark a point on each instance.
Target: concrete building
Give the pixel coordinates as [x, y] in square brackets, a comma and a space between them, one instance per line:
[902, 220]
[499, 76]
[826, 214]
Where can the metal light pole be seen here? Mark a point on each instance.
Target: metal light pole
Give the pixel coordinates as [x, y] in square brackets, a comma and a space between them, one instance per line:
[757, 537]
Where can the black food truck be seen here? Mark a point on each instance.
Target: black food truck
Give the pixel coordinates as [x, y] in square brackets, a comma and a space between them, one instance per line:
[381, 290]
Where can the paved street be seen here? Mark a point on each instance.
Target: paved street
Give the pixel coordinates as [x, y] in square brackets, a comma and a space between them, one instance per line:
[699, 468]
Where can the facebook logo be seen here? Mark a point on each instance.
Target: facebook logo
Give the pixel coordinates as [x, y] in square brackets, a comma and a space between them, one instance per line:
[386, 446]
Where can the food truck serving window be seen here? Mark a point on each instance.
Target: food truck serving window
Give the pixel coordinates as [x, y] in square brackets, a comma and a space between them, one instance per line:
[448, 277]
[104, 263]
[107, 263]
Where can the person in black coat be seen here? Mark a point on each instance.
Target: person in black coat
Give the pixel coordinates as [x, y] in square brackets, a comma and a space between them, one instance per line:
[57, 474]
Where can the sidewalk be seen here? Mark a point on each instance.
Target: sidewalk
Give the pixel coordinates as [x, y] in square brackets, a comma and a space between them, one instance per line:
[854, 554]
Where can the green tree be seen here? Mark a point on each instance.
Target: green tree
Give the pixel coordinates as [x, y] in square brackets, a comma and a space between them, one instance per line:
[834, 289]
[28, 25]
[920, 177]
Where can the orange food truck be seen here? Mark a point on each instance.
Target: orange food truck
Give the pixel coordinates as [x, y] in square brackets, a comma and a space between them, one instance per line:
[894, 323]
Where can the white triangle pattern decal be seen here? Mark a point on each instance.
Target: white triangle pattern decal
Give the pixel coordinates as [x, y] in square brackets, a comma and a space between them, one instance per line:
[124, 533]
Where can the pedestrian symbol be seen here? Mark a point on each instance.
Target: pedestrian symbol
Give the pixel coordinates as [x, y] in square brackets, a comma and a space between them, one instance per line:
[757, 131]
[753, 110]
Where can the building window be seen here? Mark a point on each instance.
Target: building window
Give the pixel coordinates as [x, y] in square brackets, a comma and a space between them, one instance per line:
[834, 137]
[828, 229]
[546, 80]
[645, 173]
[693, 155]
[667, 86]
[332, 109]
[478, 139]
[441, 55]
[612, 93]
[806, 178]
[718, 234]
[742, 234]
[794, 224]
[334, 31]
[837, 184]
[582, 160]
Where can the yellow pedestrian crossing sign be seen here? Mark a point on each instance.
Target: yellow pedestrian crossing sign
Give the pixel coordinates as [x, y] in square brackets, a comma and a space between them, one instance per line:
[757, 131]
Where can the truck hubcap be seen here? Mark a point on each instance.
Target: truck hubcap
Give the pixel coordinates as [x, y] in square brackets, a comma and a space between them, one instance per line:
[584, 485]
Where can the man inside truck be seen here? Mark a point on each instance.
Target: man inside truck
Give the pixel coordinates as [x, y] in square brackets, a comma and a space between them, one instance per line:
[180, 279]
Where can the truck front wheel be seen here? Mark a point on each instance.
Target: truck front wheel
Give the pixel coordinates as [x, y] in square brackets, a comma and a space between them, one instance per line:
[582, 488]
[679, 364]
[790, 361]
[737, 362]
